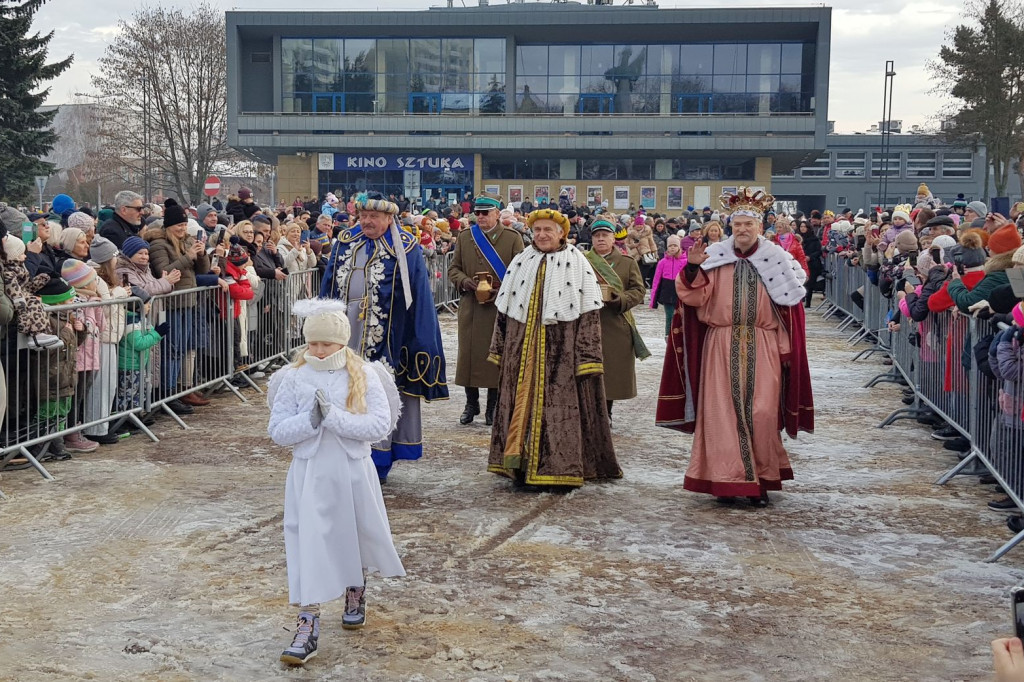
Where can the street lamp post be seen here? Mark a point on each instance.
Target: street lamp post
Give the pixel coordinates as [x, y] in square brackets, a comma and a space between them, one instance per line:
[883, 175]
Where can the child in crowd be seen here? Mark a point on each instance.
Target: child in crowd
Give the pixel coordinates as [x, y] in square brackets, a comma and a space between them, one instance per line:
[131, 353]
[32, 319]
[239, 274]
[329, 405]
[55, 372]
[83, 278]
[663, 290]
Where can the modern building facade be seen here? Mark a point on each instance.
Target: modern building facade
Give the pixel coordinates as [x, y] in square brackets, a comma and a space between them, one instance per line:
[854, 172]
[633, 105]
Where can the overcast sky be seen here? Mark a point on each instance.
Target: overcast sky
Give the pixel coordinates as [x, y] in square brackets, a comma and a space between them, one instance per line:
[865, 33]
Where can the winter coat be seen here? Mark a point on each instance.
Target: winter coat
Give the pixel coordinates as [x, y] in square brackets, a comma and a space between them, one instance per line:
[142, 277]
[661, 241]
[133, 345]
[57, 376]
[236, 209]
[163, 257]
[117, 229]
[669, 269]
[88, 356]
[294, 258]
[964, 298]
[640, 241]
[114, 313]
[796, 250]
[239, 289]
[47, 261]
[917, 302]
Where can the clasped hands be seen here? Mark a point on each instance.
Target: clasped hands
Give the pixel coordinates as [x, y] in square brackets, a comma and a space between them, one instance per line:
[321, 408]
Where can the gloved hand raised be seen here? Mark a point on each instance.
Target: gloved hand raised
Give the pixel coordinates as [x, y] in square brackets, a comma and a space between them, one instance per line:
[163, 328]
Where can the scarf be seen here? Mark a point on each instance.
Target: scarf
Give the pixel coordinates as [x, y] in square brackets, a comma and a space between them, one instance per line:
[334, 361]
[607, 273]
[570, 287]
[782, 276]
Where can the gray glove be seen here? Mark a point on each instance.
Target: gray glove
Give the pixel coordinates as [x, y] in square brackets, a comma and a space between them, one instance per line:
[316, 415]
[323, 403]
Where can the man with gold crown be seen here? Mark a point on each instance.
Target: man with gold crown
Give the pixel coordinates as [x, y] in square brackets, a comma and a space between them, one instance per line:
[735, 370]
[482, 255]
[551, 423]
[391, 309]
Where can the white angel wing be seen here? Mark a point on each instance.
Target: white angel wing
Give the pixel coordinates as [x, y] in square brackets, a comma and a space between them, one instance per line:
[394, 399]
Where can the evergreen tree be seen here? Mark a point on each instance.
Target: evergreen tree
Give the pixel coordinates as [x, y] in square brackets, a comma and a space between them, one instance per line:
[25, 134]
[494, 101]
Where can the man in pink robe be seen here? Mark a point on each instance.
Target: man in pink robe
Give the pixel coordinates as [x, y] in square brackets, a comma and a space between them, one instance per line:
[736, 367]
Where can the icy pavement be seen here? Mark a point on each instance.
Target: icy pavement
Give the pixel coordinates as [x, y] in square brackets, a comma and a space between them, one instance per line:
[166, 562]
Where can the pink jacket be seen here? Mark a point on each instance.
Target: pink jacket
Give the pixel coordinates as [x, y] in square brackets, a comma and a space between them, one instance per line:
[87, 359]
[669, 268]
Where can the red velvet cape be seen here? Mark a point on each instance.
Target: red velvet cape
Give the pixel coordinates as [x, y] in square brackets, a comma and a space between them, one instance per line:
[680, 375]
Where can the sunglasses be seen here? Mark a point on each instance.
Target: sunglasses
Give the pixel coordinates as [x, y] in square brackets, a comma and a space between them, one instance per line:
[481, 212]
[135, 208]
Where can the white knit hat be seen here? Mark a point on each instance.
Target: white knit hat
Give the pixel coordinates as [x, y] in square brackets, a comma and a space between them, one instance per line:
[14, 248]
[326, 320]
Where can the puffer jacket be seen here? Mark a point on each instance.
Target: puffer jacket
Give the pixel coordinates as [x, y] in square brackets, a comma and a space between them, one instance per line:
[640, 241]
[163, 257]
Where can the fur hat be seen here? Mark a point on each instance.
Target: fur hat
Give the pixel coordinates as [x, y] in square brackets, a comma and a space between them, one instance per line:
[77, 274]
[1005, 239]
[102, 249]
[326, 320]
[972, 251]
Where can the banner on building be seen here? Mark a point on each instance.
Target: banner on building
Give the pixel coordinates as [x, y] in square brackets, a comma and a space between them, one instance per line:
[403, 162]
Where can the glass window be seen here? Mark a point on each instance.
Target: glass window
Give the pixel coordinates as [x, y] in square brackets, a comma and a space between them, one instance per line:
[425, 55]
[762, 83]
[819, 169]
[531, 95]
[531, 60]
[696, 59]
[662, 60]
[327, 55]
[297, 54]
[885, 165]
[631, 59]
[489, 55]
[957, 164]
[921, 164]
[730, 58]
[792, 57]
[850, 164]
[764, 58]
[729, 84]
[596, 59]
[564, 60]
[359, 55]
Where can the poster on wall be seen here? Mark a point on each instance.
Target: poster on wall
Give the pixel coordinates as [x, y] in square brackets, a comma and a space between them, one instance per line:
[648, 197]
[570, 191]
[595, 195]
[515, 194]
[620, 200]
[493, 190]
[701, 196]
[675, 198]
[541, 195]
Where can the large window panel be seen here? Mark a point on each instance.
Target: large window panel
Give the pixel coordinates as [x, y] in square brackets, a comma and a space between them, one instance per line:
[425, 55]
[921, 164]
[596, 59]
[821, 168]
[696, 59]
[596, 85]
[730, 58]
[297, 54]
[957, 164]
[885, 165]
[792, 57]
[359, 56]
[564, 60]
[531, 60]
[662, 60]
[762, 83]
[729, 84]
[531, 95]
[850, 164]
[327, 59]
[764, 58]
[489, 54]
[457, 54]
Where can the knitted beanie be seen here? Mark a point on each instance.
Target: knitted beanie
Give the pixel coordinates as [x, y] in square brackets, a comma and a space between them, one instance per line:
[61, 203]
[81, 221]
[14, 248]
[69, 237]
[978, 207]
[943, 241]
[906, 241]
[77, 274]
[673, 240]
[102, 249]
[326, 320]
[56, 291]
[173, 214]
[972, 253]
[132, 245]
[1018, 314]
[1005, 239]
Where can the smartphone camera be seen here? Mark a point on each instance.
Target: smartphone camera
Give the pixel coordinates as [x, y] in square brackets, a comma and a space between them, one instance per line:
[1017, 603]
[958, 260]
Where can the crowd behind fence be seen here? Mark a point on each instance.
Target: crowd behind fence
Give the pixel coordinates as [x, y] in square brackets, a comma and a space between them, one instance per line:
[957, 368]
[159, 352]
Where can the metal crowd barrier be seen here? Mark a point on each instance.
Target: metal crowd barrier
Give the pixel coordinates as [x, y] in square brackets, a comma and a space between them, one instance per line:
[446, 296]
[937, 359]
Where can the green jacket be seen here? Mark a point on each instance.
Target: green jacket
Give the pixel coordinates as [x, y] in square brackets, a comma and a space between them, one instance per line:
[964, 299]
[132, 345]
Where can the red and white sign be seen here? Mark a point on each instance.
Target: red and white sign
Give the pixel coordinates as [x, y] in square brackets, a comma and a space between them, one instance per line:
[212, 186]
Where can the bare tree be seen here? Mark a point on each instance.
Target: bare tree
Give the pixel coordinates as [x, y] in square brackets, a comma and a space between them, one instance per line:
[164, 91]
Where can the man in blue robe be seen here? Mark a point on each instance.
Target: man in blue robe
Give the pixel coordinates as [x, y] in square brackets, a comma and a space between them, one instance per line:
[391, 310]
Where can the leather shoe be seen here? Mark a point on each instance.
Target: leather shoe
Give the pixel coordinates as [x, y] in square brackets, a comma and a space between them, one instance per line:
[489, 416]
[472, 410]
[1002, 504]
[178, 407]
[195, 400]
[1015, 523]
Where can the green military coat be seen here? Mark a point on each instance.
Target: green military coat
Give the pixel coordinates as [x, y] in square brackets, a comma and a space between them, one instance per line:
[476, 320]
[616, 337]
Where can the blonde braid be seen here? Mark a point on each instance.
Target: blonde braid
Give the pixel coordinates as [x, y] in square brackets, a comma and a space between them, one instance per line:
[356, 402]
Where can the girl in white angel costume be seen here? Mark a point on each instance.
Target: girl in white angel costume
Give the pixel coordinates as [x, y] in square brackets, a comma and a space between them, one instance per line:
[329, 405]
